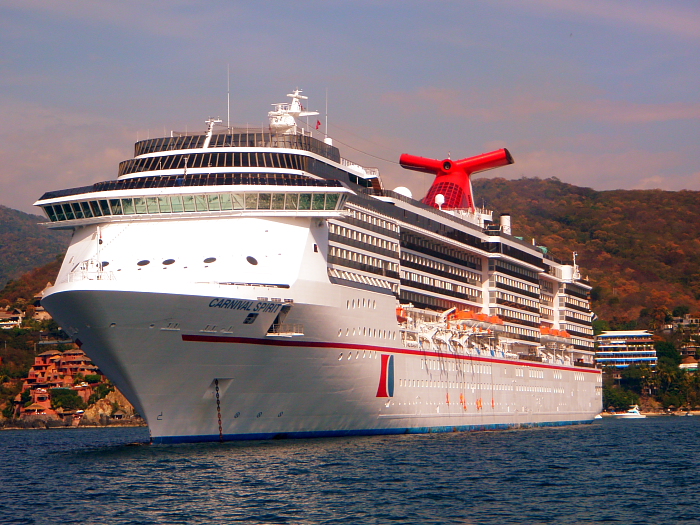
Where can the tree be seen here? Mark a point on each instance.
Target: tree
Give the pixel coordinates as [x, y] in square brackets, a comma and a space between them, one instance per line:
[667, 351]
[67, 399]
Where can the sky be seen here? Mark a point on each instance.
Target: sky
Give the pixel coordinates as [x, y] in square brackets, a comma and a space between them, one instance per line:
[598, 93]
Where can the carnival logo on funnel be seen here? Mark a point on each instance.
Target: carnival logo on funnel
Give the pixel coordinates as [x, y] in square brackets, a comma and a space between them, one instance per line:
[386, 377]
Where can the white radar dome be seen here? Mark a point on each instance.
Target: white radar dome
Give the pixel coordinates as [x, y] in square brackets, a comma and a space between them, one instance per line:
[402, 190]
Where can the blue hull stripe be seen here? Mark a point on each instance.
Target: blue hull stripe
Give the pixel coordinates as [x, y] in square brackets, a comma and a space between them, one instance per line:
[363, 432]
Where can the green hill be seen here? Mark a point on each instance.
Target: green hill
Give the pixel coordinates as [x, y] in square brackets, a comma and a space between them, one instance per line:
[25, 244]
[640, 248]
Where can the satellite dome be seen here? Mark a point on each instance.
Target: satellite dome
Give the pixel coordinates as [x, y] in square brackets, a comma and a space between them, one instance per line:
[402, 190]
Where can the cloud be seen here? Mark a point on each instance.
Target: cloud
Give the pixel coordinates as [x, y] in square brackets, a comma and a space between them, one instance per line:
[667, 18]
[516, 104]
[47, 149]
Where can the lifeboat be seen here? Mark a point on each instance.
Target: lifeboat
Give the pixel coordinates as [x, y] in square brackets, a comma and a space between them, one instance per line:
[401, 315]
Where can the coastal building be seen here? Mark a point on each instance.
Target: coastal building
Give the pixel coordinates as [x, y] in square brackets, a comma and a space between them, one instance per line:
[11, 318]
[54, 369]
[623, 348]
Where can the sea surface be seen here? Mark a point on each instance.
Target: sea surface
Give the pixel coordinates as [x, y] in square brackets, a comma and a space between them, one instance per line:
[642, 471]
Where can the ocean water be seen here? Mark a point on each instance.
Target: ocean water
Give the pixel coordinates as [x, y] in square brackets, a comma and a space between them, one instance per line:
[641, 471]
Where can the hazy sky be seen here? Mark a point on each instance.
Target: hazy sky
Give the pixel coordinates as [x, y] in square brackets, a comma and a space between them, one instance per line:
[599, 93]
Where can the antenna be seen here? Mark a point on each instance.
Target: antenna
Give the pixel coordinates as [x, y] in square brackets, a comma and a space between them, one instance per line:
[228, 97]
[326, 130]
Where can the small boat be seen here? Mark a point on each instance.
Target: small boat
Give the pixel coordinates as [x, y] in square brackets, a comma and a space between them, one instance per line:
[632, 413]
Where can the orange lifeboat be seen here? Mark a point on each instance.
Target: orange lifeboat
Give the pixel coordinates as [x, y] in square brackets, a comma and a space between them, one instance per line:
[544, 330]
[482, 317]
[401, 315]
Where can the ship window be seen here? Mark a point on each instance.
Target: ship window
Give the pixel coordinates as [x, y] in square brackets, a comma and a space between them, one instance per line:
[209, 260]
[201, 202]
[305, 201]
[188, 202]
[144, 262]
[238, 201]
[164, 205]
[252, 260]
[278, 201]
[140, 205]
[251, 201]
[116, 206]
[331, 201]
[291, 201]
[176, 202]
[168, 262]
[225, 199]
[213, 201]
[58, 210]
[318, 201]
[77, 211]
[50, 213]
[151, 204]
[95, 207]
[87, 213]
[264, 201]
[128, 206]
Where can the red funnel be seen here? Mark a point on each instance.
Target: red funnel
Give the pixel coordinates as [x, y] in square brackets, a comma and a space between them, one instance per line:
[453, 177]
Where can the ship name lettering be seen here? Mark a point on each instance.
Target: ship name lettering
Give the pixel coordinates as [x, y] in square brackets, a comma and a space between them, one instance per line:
[242, 304]
[231, 304]
[267, 307]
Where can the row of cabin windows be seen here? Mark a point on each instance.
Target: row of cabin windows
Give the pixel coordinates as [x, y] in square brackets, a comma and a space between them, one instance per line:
[521, 331]
[244, 159]
[364, 279]
[517, 314]
[574, 301]
[372, 219]
[513, 299]
[363, 237]
[472, 277]
[459, 256]
[439, 283]
[349, 255]
[497, 265]
[194, 203]
[498, 278]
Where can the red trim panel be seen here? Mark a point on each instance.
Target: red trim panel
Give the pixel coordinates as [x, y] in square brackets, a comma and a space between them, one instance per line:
[196, 338]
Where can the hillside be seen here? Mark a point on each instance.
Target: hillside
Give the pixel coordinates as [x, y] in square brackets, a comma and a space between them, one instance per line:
[640, 248]
[25, 244]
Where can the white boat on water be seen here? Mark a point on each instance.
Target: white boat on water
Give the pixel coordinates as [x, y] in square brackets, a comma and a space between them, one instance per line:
[249, 284]
[632, 413]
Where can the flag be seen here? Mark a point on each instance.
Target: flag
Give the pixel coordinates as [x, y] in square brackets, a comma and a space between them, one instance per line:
[318, 124]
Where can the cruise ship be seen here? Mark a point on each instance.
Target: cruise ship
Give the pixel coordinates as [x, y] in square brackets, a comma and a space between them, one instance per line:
[243, 283]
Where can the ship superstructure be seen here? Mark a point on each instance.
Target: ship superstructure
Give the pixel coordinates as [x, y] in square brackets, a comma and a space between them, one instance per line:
[255, 284]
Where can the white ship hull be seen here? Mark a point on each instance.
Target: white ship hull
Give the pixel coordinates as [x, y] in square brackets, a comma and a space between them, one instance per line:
[316, 385]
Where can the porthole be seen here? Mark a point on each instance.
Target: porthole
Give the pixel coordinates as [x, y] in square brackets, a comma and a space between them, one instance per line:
[168, 262]
[209, 260]
[143, 263]
[105, 264]
[251, 260]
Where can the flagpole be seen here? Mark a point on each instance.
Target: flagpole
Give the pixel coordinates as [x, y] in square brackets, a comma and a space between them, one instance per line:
[326, 130]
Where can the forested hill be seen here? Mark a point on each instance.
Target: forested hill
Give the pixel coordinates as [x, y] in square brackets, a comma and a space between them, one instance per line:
[640, 248]
[25, 244]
